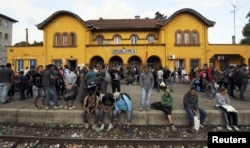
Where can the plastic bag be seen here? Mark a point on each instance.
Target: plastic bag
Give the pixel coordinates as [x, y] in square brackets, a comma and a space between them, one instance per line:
[197, 122]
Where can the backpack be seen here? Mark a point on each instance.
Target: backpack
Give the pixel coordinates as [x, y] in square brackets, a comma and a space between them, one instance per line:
[125, 95]
[156, 105]
[107, 76]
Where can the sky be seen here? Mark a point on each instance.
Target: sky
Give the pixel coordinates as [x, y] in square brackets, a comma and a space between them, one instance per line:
[29, 13]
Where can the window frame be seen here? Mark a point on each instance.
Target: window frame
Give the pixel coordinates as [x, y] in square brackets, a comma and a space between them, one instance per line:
[150, 39]
[117, 39]
[20, 65]
[32, 62]
[100, 40]
[57, 62]
[134, 39]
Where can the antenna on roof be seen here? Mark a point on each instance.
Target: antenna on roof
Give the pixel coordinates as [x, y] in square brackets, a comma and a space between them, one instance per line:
[234, 37]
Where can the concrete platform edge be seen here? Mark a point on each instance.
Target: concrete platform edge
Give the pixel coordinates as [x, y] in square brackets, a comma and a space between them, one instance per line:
[153, 117]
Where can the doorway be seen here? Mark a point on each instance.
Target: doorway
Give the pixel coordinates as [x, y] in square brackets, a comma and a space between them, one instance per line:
[72, 63]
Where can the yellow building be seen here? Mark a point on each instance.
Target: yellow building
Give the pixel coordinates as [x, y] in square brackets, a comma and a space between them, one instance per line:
[180, 41]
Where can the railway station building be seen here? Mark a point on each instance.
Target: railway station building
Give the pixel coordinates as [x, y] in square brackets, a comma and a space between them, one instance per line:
[180, 41]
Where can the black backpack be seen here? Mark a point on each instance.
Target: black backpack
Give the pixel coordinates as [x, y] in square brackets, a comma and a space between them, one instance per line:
[126, 95]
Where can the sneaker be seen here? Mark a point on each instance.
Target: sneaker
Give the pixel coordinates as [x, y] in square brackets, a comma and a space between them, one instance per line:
[72, 107]
[66, 107]
[167, 129]
[47, 107]
[58, 107]
[140, 109]
[236, 128]
[110, 127]
[228, 127]
[102, 126]
[86, 125]
[173, 128]
[202, 126]
[93, 126]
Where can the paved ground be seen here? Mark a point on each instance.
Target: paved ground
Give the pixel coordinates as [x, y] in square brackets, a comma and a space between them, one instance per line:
[134, 91]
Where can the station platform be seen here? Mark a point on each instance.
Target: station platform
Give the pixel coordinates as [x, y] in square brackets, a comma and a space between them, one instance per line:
[24, 112]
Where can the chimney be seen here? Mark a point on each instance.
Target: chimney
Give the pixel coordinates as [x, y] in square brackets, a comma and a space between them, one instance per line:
[27, 37]
[137, 17]
[233, 39]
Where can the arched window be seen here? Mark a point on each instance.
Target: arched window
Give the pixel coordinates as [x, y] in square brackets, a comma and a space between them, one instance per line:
[73, 39]
[178, 38]
[57, 39]
[117, 39]
[133, 39]
[194, 37]
[186, 38]
[100, 39]
[65, 39]
[151, 39]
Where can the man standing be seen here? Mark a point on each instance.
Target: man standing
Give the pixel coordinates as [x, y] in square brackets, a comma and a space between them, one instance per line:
[244, 81]
[49, 80]
[147, 84]
[115, 79]
[6, 80]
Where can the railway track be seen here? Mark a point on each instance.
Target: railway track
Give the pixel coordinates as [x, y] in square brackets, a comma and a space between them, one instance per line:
[59, 142]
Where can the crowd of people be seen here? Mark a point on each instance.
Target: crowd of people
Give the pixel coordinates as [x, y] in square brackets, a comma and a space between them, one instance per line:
[89, 84]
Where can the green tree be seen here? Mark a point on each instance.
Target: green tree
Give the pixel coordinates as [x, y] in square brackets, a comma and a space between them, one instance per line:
[159, 15]
[246, 31]
[23, 43]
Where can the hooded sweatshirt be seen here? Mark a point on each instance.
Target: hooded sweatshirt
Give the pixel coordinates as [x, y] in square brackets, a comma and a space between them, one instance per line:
[167, 100]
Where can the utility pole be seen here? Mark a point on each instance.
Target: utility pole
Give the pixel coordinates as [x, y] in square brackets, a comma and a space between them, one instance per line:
[234, 37]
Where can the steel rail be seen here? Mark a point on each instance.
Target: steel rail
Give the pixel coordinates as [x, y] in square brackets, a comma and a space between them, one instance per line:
[105, 141]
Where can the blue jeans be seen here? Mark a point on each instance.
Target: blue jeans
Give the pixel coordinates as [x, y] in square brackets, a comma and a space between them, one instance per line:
[191, 114]
[51, 91]
[4, 89]
[145, 93]
[129, 116]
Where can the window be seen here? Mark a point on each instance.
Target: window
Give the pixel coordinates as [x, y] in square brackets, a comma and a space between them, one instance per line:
[57, 39]
[57, 63]
[0, 35]
[194, 38]
[72, 39]
[1, 22]
[195, 63]
[20, 65]
[178, 38]
[134, 39]
[186, 38]
[117, 39]
[32, 62]
[100, 40]
[6, 24]
[65, 40]
[6, 36]
[151, 39]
